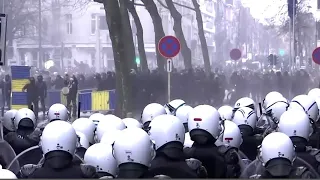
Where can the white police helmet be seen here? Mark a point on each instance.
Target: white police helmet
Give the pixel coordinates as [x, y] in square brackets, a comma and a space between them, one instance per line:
[205, 117]
[187, 140]
[133, 145]
[25, 117]
[151, 111]
[276, 145]
[245, 116]
[244, 102]
[275, 109]
[164, 129]
[100, 156]
[8, 119]
[225, 112]
[271, 96]
[173, 106]
[110, 116]
[7, 174]
[295, 122]
[307, 104]
[231, 136]
[82, 140]
[85, 126]
[183, 113]
[109, 122]
[96, 117]
[314, 93]
[58, 112]
[110, 136]
[59, 135]
[131, 122]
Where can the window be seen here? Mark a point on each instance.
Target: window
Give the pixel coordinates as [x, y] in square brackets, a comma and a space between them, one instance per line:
[44, 27]
[209, 25]
[93, 58]
[69, 23]
[230, 2]
[34, 55]
[93, 23]
[103, 23]
[209, 6]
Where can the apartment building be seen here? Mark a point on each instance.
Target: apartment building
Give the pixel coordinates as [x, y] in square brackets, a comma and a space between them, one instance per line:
[81, 35]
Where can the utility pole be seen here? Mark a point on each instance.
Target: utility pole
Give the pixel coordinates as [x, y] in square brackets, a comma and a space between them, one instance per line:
[40, 58]
[3, 8]
[293, 30]
[290, 47]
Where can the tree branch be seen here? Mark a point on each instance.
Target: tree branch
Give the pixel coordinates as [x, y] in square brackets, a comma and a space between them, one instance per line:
[175, 3]
[162, 4]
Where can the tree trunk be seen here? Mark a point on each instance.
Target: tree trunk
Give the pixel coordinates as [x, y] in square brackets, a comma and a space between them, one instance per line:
[185, 50]
[141, 49]
[123, 87]
[203, 41]
[127, 33]
[218, 35]
[158, 29]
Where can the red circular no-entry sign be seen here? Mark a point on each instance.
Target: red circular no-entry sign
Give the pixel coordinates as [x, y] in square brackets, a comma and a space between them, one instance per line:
[169, 46]
[316, 55]
[235, 54]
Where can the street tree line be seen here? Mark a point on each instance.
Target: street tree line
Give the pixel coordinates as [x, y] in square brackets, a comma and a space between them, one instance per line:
[117, 17]
[24, 14]
[305, 39]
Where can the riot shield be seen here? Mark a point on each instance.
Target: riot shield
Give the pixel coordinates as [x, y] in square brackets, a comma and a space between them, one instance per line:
[7, 155]
[256, 168]
[31, 155]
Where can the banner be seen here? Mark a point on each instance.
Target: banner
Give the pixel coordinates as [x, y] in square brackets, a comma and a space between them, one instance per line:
[19, 78]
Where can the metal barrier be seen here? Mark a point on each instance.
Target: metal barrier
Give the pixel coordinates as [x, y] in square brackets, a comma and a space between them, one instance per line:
[91, 100]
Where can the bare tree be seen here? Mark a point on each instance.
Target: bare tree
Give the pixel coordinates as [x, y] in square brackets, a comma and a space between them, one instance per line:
[177, 17]
[202, 38]
[117, 36]
[128, 34]
[139, 34]
[203, 41]
[305, 27]
[158, 29]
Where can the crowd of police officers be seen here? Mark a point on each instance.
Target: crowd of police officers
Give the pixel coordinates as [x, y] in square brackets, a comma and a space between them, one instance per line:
[194, 86]
[262, 134]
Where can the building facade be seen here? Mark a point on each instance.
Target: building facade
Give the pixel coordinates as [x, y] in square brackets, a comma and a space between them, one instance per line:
[71, 36]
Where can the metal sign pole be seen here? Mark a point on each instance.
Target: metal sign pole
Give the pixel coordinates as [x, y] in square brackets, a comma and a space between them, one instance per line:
[169, 47]
[169, 83]
[169, 69]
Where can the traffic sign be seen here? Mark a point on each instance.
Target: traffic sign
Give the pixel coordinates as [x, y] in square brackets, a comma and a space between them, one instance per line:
[235, 54]
[169, 46]
[169, 65]
[316, 56]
